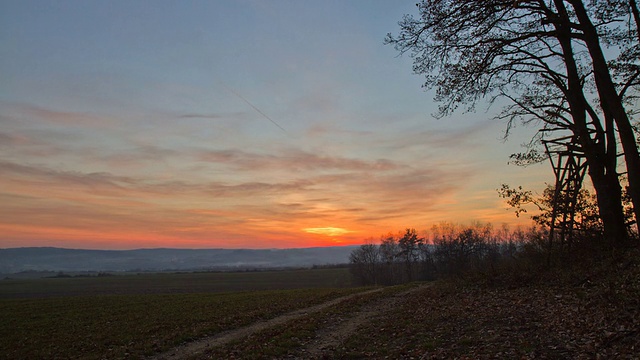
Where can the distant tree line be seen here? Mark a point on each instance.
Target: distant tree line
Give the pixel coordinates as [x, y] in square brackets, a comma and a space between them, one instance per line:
[457, 250]
[446, 250]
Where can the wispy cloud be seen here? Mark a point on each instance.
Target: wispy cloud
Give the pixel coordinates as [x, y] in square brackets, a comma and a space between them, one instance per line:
[105, 183]
[133, 142]
[33, 113]
[459, 139]
[138, 156]
[322, 182]
[200, 116]
[323, 129]
[12, 139]
[293, 159]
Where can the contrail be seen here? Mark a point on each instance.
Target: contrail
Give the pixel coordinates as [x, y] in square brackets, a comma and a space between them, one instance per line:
[254, 107]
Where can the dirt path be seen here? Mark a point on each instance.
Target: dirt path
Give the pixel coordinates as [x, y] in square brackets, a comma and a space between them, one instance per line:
[330, 337]
[199, 346]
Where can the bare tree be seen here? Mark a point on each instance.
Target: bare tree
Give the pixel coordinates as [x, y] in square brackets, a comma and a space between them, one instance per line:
[451, 250]
[546, 57]
[409, 253]
[389, 250]
[365, 264]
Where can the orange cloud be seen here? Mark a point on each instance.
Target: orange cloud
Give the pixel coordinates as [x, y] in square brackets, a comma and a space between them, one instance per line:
[155, 194]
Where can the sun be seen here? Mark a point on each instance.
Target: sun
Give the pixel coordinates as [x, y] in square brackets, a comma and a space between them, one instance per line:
[328, 231]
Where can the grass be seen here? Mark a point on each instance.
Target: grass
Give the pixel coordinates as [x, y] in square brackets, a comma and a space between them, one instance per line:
[163, 283]
[285, 341]
[132, 316]
[133, 326]
[585, 314]
[569, 314]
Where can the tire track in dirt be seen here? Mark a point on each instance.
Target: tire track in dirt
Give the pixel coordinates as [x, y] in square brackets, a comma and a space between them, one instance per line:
[329, 338]
[199, 346]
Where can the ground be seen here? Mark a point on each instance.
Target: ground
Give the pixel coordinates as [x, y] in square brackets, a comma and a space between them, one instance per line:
[580, 315]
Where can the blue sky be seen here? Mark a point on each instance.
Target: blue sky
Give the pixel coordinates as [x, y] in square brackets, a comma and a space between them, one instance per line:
[128, 124]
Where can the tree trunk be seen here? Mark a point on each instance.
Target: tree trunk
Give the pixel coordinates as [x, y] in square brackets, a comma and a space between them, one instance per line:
[609, 197]
[600, 162]
[612, 104]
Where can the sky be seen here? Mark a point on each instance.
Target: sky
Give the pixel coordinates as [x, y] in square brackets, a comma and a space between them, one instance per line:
[232, 124]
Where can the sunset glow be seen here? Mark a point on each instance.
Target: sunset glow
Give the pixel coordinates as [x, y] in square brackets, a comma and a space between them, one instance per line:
[329, 231]
[227, 124]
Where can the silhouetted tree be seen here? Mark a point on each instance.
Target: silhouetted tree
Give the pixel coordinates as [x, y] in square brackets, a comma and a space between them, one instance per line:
[450, 250]
[547, 58]
[409, 254]
[389, 250]
[587, 224]
[365, 263]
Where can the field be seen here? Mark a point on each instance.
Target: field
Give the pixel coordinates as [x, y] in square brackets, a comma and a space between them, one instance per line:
[139, 315]
[586, 314]
[163, 283]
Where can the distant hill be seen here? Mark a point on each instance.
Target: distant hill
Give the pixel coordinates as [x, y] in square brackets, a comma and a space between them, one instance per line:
[16, 260]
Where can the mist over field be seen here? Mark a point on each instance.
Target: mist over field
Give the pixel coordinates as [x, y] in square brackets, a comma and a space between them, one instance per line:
[16, 260]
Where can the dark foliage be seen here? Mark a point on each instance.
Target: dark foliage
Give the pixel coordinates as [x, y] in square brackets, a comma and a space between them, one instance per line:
[568, 68]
